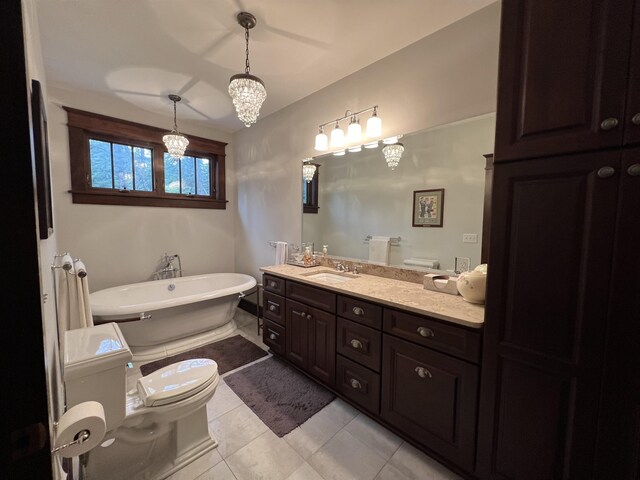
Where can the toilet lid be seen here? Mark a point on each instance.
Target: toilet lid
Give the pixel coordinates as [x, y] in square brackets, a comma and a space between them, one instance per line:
[177, 381]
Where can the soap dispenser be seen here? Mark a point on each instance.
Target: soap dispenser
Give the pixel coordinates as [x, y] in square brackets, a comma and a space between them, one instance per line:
[307, 258]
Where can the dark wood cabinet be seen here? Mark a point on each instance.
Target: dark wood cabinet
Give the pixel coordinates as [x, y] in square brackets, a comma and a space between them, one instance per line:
[274, 336]
[545, 323]
[632, 117]
[297, 334]
[431, 397]
[562, 81]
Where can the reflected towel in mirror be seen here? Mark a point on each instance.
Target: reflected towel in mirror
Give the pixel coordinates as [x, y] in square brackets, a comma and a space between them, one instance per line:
[379, 250]
[281, 253]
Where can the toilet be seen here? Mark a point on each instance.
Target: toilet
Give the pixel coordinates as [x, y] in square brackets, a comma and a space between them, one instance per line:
[153, 429]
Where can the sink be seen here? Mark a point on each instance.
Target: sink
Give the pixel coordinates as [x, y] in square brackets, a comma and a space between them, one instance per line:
[331, 277]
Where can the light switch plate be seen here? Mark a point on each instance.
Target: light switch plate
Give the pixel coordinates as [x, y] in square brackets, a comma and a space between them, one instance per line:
[469, 238]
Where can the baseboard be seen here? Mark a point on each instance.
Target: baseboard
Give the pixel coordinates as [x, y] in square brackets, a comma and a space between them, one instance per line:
[248, 306]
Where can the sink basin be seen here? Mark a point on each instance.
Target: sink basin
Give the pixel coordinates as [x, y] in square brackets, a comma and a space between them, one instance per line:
[331, 277]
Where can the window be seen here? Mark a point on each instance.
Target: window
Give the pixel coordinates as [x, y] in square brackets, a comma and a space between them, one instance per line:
[116, 162]
[310, 193]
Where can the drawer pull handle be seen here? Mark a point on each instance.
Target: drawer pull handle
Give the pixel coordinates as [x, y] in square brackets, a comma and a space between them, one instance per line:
[426, 332]
[273, 284]
[423, 372]
[636, 119]
[356, 384]
[303, 314]
[606, 172]
[358, 311]
[273, 336]
[634, 170]
[272, 308]
[356, 343]
[609, 123]
[309, 317]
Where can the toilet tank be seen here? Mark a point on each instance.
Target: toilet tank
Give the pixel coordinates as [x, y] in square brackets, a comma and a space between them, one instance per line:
[95, 365]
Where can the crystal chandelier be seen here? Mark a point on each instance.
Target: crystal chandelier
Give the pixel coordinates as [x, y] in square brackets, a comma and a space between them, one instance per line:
[392, 154]
[308, 170]
[247, 91]
[176, 142]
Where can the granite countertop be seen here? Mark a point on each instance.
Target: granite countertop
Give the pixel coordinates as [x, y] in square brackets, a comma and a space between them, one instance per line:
[391, 292]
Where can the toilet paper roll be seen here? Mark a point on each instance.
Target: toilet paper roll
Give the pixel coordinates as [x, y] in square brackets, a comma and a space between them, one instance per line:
[87, 416]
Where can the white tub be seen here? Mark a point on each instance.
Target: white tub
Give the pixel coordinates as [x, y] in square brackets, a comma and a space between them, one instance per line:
[163, 317]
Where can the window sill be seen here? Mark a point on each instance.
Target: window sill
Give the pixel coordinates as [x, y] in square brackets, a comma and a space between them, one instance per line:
[146, 200]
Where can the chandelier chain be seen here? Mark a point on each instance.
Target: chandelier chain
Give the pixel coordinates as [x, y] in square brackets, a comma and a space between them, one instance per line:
[175, 122]
[246, 39]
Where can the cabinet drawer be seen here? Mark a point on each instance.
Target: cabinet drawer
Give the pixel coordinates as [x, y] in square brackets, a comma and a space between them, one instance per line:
[273, 307]
[273, 284]
[450, 339]
[274, 336]
[358, 384]
[431, 397]
[360, 311]
[312, 296]
[359, 343]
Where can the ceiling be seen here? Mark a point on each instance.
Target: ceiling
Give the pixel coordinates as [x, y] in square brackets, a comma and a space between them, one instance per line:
[143, 50]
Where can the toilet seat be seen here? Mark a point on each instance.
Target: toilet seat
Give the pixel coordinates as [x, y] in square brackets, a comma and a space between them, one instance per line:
[177, 381]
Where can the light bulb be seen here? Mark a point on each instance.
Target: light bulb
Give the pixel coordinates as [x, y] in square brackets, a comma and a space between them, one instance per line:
[374, 125]
[337, 137]
[354, 132]
[322, 142]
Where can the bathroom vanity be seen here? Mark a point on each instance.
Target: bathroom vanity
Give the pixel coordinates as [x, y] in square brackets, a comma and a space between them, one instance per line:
[406, 356]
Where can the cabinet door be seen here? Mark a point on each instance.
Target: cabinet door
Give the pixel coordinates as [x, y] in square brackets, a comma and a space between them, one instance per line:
[563, 71]
[322, 345]
[296, 333]
[545, 318]
[619, 438]
[632, 120]
[431, 397]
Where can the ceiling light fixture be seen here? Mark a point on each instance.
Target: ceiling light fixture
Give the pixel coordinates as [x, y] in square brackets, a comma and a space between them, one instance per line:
[354, 130]
[175, 142]
[392, 140]
[371, 145]
[247, 91]
[308, 170]
[392, 154]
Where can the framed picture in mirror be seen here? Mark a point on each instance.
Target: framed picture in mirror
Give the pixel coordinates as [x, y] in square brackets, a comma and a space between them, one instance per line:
[428, 207]
[41, 154]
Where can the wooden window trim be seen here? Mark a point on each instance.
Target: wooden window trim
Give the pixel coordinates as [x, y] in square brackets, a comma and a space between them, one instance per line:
[311, 206]
[84, 125]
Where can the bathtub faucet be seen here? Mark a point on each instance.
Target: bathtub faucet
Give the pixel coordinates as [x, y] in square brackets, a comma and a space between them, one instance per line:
[168, 269]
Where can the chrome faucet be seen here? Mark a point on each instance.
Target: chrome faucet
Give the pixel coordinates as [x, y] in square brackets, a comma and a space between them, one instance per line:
[342, 268]
[168, 269]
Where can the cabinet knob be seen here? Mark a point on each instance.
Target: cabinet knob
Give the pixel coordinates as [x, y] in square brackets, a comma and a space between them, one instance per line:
[358, 311]
[426, 332]
[303, 314]
[273, 284]
[356, 343]
[273, 336]
[423, 372]
[636, 119]
[272, 308]
[309, 317]
[355, 384]
[634, 170]
[609, 123]
[606, 172]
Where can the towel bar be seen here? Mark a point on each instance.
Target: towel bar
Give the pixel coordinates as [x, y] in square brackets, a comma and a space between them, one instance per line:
[395, 241]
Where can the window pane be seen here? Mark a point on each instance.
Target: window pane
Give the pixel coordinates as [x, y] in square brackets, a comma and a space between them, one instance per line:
[188, 175]
[171, 174]
[304, 191]
[143, 168]
[202, 168]
[122, 167]
[100, 157]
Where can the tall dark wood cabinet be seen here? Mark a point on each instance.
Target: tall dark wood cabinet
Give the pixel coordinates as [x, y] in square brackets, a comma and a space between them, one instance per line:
[560, 388]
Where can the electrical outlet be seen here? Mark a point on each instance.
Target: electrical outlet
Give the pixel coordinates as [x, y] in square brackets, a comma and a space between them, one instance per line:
[462, 264]
[469, 238]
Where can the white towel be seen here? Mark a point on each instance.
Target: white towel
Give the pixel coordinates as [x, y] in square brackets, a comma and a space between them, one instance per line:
[422, 262]
[281, 253]
[379, 250]
[85, 318]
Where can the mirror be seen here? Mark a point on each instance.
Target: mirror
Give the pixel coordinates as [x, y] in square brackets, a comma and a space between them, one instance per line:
[360, 196]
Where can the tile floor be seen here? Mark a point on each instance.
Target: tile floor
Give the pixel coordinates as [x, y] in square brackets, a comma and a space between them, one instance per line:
[337, 443]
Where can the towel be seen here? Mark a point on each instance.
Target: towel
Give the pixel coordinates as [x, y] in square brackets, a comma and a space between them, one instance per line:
[85, 318]
[281, 253]
[379, 250]
[422, 262]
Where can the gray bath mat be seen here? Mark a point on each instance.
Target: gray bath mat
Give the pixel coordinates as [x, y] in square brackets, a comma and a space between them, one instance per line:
[229, 354]
[281, 396]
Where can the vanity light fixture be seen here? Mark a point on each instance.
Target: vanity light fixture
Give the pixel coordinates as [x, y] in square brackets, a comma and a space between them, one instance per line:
[392, 154]
[175, 142]
[308, 170]
[247, 91]
[354, 130]
[371, 145]
[391, 140]
[339, 153]
[355, 149]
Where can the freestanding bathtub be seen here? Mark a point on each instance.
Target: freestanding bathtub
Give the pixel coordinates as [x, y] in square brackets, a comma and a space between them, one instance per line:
[164, 317]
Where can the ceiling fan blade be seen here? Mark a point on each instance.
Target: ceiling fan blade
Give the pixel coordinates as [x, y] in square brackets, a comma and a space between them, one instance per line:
[299, 38]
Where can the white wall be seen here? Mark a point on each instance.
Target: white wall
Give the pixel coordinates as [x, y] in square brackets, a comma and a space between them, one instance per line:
[447, 76]
[123, 244]
[359, 195]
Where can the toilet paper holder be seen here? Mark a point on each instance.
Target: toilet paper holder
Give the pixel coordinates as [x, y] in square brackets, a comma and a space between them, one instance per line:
[81, 437]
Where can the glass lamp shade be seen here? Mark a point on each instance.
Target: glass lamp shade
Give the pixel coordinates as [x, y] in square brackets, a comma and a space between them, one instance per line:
[248, 94]
[392, 154]
[354, 132]
[340, 153]
[308, 171]
[374, 126]
[176, 144]
[322, 142]
[337, 137]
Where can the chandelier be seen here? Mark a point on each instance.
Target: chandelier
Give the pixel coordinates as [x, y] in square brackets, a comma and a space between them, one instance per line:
[354, 132]
[247, 91]
[175, 142]
[392, 154]
[308, 170]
